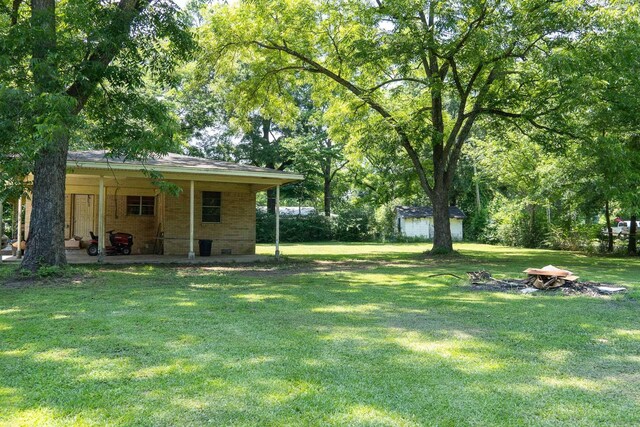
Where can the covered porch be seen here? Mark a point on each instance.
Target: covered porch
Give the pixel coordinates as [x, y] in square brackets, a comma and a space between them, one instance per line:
[207, 200]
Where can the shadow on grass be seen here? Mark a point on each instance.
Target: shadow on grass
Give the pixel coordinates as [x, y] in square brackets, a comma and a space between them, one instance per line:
[382, 344]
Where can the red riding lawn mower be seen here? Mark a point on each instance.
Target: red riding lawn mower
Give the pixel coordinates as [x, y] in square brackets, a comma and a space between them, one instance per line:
[120, 244]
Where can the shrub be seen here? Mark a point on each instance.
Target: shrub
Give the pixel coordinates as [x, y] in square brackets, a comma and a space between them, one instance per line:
[580, 238]
[515, 223]
[383, 222]
[293, 229]
[352, 225]
[475, 225]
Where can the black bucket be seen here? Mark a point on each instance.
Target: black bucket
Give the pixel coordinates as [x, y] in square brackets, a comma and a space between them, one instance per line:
[205, 247]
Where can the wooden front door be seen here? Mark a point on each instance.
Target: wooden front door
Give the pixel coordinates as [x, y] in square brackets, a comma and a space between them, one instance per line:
[83, 215]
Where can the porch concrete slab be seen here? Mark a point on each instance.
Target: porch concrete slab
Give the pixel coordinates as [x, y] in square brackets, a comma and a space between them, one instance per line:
[81, 257]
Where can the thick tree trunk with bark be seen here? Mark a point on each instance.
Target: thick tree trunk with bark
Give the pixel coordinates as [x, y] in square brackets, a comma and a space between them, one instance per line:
[327, 178]
[327, 195]
[45, 243]
[442, 242]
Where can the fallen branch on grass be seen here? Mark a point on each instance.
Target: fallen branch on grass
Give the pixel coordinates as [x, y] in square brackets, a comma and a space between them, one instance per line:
[445, 274]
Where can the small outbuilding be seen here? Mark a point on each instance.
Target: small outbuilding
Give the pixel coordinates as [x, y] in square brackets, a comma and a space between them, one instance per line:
[417, 221]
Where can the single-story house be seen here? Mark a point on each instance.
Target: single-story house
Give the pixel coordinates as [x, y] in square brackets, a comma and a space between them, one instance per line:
[217, 202]
[417, 221]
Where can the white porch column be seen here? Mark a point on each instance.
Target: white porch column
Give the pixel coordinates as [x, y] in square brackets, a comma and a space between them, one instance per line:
[19, 248]
[278, 222]
[192, 214]
[101, 230]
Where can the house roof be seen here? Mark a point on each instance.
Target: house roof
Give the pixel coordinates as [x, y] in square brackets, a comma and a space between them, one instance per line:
[174, 163]
[426, 211]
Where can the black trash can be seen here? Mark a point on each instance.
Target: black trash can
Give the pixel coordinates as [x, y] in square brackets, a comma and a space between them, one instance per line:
[205, 247]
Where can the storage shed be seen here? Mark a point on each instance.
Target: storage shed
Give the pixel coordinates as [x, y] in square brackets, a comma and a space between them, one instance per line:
[417, 221]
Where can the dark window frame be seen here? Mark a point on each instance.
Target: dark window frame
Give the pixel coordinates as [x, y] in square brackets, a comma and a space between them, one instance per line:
[211, 207]
[138, 206]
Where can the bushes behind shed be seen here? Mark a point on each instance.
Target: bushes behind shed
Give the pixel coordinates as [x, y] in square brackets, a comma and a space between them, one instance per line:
[350, 226]
[293, 229]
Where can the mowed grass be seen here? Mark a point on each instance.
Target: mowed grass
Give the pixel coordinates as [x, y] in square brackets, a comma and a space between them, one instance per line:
[338, 334]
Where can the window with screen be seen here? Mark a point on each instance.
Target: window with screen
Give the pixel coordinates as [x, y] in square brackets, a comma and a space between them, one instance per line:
[211, 202]
[141, 205]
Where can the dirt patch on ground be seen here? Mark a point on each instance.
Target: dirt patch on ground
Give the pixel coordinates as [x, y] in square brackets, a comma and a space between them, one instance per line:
[17, 281]
[290, 268]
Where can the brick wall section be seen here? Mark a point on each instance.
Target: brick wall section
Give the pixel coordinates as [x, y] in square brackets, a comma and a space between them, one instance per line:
[235, 232]
[143, 228]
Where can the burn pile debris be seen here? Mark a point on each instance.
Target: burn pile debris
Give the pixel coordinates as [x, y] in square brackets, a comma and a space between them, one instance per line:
[544, 279]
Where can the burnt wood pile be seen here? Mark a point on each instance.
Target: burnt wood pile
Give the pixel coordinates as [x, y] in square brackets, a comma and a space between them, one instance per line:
[548, 278]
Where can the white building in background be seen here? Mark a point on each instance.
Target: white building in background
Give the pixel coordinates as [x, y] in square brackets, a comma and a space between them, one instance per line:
[292, 210]
[417, 221]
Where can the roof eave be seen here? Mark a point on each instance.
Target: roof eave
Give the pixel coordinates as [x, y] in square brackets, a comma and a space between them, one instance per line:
[285, 177]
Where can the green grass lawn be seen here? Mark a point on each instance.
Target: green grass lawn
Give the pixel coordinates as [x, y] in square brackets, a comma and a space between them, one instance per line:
[339, 334]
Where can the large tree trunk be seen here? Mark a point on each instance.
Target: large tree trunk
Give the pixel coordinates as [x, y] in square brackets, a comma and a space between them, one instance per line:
[633, 228]
[326, 175]
[327, 196]
[442, 242]
[45, 244]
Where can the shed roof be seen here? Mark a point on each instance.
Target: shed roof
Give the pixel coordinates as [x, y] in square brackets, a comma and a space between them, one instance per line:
[176, 163]
[426, 211]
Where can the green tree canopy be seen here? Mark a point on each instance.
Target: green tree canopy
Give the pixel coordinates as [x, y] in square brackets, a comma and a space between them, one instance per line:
[425, 71]
[80, 72]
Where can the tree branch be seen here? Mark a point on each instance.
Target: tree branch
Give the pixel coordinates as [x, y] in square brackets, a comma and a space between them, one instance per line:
[365, 96]
[423, 58]
[473, 25]
[337, 169]
[395, 80]
[105, 52]
[15, 8]
[528, 118]
[464, 123]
